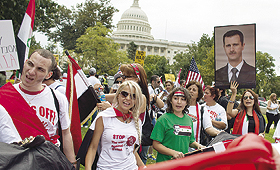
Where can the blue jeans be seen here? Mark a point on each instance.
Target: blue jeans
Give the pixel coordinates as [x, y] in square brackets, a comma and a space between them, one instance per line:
[144, 154]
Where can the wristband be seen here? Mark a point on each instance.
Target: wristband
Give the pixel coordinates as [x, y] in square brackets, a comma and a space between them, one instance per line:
[231, 101]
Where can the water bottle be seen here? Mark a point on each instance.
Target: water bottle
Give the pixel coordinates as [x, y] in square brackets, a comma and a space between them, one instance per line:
[102, 95]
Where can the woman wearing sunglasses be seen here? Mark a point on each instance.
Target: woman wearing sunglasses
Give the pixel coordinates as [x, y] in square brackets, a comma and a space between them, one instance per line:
[117, 82]
[173, 132]
[248, 117]
[118, 129]
[136, 72]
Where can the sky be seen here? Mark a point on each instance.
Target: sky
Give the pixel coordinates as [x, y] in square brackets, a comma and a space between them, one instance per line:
[187, 20]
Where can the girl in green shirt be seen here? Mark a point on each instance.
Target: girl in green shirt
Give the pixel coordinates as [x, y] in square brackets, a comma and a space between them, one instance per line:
[173, 132]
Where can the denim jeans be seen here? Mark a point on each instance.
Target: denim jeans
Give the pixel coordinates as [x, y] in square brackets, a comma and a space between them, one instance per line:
[144, 154]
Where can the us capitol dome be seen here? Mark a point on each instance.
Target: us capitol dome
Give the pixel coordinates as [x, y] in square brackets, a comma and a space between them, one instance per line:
[134, 26]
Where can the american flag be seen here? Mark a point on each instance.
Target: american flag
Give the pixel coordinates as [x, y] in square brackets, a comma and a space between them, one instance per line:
[194, 74]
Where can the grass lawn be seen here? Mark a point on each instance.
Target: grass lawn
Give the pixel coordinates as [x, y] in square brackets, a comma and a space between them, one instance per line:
[150, 161]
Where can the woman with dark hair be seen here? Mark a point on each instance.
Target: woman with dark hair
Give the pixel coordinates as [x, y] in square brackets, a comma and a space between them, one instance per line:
[248, 117]
[173, 132]
[54, 84]
[272, 112]
[196, 111]
[217, 112]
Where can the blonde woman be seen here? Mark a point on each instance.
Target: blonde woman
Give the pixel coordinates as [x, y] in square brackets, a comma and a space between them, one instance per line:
[117, 130]
[272, 111]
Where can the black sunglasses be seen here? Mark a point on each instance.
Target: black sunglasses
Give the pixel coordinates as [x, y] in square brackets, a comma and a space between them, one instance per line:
[118, 82]
[125, 94]
[125, 77]
[250, 97]
[158, 82]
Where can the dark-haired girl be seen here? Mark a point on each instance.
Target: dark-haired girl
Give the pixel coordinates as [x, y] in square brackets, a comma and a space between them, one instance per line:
[173, 132]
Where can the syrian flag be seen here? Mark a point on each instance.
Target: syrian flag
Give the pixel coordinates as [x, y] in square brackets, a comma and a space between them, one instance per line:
[177, 82]
[161, 87]
[82, 100]
[194, 74]
[23, 39]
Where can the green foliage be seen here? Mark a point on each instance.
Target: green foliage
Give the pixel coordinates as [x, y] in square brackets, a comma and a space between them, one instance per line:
[156, 65]
[131, 50]
[207, 69]
[182, 60]
[265, 77]
[203, 53]
[99, 51]
[34, 45]
[71, 24]
[15, 10]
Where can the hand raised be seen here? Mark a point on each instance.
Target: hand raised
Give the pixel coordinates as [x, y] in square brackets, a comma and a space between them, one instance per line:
[233, 87]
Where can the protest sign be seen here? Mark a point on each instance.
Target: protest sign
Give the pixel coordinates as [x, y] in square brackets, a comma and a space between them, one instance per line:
[140, 57]
[8, 50]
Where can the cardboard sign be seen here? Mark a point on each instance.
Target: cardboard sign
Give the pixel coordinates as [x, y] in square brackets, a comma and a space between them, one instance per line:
[169, 77]
[140, 57]
[8, 49]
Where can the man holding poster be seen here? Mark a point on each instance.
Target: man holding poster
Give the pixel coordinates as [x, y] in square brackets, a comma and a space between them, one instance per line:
[236, 69]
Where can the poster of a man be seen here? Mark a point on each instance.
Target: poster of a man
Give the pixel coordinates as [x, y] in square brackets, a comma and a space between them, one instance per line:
[235, 55]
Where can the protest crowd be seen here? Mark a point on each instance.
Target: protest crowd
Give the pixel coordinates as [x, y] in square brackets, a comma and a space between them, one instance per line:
[177, 121]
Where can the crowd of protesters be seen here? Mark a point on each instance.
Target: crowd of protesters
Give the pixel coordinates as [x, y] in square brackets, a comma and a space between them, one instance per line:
[135, 117]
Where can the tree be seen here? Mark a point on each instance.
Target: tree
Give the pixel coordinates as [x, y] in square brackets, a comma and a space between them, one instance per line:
[34, 45]
[207, 70]
[203, 53]
[71, 24]
[15, 10]
[131, 50]
[182, 60]
[100, 51]
[156, 65]
[265, 74]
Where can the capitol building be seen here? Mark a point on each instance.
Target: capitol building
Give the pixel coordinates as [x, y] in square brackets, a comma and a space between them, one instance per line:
[134, 26]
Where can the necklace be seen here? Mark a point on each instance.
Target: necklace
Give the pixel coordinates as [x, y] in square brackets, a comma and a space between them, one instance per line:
[29, 101]
[24, 92]
[126, 117]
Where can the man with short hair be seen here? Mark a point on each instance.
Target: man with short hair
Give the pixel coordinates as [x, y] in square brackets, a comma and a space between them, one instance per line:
[92, 79]
[155, 82]
[31, 104]
[236, 69]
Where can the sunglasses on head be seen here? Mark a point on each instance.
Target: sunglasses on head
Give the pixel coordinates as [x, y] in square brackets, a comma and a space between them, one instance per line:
[125, 94]
[125, 77]
[250, 97]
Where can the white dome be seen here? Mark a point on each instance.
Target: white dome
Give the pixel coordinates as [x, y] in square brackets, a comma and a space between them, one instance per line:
[134, 24]
[135, 12]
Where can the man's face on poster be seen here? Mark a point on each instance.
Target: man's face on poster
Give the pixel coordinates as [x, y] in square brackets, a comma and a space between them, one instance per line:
[233, 48]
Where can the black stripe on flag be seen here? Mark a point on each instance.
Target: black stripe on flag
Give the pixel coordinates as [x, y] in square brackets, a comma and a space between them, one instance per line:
[87, 102]
[21, 48]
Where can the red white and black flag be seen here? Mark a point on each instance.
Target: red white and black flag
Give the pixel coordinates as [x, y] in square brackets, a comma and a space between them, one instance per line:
[23, 39]
[177, 82]
[82, 100]
[194, 74]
